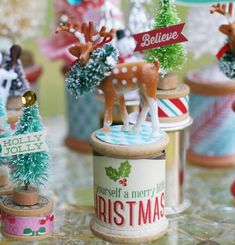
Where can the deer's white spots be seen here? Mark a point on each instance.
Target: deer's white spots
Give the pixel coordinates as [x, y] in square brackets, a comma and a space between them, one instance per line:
[134, 80]
[115, 81]
[124, 70]
[134, 68]
[115, 71]
[124, 82]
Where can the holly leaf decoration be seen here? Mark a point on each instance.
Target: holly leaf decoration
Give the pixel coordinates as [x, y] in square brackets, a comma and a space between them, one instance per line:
[124, 169]
[112, 173]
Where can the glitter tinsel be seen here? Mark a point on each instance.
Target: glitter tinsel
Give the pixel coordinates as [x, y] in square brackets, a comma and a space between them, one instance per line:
[31, 168]
[4, 128]
[227, 64]
[172, 56]
[111, 15]
[138, 20]
[21, 19]
[83, 79]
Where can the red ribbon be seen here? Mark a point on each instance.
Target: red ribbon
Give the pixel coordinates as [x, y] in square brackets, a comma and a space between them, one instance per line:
[222, 51]
[160, 37]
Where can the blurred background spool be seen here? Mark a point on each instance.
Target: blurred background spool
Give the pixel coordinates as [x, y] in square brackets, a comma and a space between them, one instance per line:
[212, 136]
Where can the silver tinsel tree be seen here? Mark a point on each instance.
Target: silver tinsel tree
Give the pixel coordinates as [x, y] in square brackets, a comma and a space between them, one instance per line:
[202, 31]
[138, 20]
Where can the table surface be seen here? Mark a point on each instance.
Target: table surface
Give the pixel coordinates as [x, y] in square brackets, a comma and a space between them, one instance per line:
[210, 217]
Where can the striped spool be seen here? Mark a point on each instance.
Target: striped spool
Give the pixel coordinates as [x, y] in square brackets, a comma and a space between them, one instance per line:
[173, 105]
[212, 135]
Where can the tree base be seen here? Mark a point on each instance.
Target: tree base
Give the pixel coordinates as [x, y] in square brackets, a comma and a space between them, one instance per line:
[24, 197]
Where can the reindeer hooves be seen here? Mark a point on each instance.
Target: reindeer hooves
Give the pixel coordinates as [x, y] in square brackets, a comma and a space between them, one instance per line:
[136, 129]
[156, 133]
[106, 130]
[126, 128]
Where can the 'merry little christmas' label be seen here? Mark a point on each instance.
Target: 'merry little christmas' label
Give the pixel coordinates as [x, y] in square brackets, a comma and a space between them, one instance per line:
[129, 194]
[160, 37]
[23, 144]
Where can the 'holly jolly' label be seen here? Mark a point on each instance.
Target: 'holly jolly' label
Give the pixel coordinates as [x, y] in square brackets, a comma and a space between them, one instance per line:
[129, 195]
[22, 144]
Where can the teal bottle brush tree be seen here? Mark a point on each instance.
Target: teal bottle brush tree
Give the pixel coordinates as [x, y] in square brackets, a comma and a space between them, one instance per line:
[30, 159]
[4, 132]
[173, 56]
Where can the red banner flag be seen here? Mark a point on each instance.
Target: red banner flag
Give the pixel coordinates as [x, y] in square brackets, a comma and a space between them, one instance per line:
[160, 37]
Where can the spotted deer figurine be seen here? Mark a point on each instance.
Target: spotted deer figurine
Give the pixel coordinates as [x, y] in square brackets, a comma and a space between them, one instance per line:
[123, 78]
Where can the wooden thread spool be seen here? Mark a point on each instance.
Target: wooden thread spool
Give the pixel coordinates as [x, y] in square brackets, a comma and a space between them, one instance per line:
[129, 184]
[24, 197]
[212, 135]
[27, 223]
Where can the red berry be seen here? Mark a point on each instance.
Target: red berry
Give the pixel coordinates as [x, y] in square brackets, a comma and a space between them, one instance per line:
[52, 217]
[120, 182]
[42, 222]
[124, 184]
[232, 189]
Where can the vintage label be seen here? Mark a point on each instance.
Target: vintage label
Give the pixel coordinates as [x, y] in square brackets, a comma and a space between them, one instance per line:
[129, 194]
[22, 144]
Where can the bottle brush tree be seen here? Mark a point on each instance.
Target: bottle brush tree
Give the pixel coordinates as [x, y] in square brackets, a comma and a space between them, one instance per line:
[173, 56]
[31, 168]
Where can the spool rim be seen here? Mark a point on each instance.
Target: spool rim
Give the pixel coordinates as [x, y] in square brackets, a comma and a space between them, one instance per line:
[209, 161]
[47, 208]
[130, 152]
[108, 236]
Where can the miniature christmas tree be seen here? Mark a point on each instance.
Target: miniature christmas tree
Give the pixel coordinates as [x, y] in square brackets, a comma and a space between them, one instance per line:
[31, 168]
[20, 85]
[172, 56]
[4, 127]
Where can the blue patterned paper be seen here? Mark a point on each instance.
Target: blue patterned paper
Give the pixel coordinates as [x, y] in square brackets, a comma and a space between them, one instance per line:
[119, 137]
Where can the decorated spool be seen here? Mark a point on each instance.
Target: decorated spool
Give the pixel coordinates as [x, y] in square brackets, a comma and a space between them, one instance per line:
[173, 112]
[129, 185]
[173, 105]
[212, 136]
[27, 223]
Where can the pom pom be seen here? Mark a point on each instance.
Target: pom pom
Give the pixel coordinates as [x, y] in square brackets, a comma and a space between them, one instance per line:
[227, 64]
[83, 79]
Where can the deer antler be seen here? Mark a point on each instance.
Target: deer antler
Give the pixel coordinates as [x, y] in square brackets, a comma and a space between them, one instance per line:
[222, 9]
[106, 37]
[72, 28]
